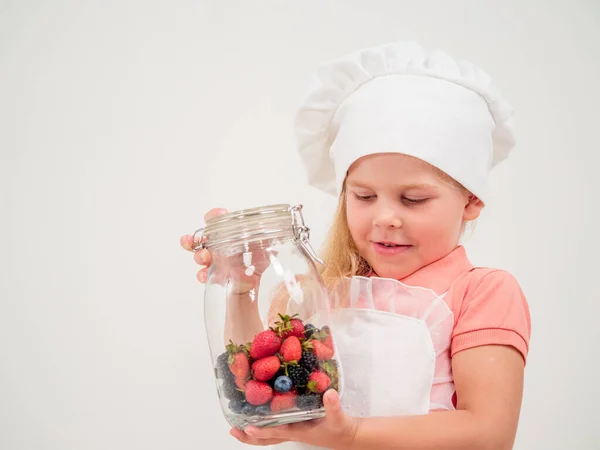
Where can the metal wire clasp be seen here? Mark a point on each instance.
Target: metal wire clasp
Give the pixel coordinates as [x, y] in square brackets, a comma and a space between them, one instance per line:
[302, 233]
[199, 242]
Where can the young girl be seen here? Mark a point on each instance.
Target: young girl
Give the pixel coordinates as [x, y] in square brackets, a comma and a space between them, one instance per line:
[406, 140]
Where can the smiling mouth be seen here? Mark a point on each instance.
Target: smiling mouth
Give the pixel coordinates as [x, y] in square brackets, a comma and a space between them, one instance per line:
[391, 244]
[390, 248]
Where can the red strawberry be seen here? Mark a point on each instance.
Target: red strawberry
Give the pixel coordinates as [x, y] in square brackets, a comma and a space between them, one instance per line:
[328, 341]
[288, 326]
[264, 369]
[281, 402]
[266, 343]
[240, 383]
[318, 382]
[258, 392]
[297, 329]
[239, 365]
[322, 352]
[291, 349]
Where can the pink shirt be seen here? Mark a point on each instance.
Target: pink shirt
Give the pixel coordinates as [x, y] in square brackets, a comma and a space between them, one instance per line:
[489, 308]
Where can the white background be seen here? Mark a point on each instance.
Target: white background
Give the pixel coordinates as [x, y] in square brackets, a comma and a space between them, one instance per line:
[122, 122]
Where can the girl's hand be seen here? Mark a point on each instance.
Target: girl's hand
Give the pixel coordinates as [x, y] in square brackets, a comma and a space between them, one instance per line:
[336, 430]
[231, 268]
[202, 257]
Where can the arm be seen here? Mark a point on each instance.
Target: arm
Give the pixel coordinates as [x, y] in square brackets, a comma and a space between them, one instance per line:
[242, 318]
[489, 385]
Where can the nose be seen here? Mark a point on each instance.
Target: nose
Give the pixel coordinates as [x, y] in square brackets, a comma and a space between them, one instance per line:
[386, 217]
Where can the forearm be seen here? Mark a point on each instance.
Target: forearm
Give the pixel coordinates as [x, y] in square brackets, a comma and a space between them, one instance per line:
[242, 318]
[447, 430]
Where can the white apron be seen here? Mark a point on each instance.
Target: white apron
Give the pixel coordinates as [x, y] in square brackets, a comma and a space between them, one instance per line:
[387, 337]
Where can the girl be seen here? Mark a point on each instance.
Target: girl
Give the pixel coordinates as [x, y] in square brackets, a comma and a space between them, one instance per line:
[406, 140]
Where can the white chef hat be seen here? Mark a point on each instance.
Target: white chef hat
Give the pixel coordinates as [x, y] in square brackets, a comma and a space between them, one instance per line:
[398, 98]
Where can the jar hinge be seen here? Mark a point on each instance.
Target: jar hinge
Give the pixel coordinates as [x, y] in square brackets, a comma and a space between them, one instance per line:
[302, 233]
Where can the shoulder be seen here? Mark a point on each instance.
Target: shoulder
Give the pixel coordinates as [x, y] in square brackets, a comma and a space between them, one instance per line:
[487, 282]
[490, 307]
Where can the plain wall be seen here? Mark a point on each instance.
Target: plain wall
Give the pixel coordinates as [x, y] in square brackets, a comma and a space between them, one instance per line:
[122, 122]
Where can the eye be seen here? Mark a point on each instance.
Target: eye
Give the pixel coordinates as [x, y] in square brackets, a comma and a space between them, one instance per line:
[414, 201]
[363, 198]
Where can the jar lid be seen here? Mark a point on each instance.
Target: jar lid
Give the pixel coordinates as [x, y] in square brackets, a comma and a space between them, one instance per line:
[253, 224]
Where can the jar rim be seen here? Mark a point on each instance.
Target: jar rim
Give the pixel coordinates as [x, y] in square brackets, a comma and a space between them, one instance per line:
[256, 223]
[247, 213]
[246, 225]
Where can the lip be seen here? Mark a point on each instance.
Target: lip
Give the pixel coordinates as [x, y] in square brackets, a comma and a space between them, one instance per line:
[381, 249]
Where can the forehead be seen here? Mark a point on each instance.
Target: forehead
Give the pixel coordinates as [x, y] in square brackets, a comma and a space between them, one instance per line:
[393, 168]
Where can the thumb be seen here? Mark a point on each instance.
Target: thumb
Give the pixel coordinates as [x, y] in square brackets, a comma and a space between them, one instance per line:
[333, 407]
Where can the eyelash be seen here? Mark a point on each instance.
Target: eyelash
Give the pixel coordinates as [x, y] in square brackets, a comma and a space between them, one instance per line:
[414, 201]
[410, 201]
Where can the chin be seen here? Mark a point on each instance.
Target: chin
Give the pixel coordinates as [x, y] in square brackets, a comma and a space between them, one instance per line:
[393, 274]
[397, 271]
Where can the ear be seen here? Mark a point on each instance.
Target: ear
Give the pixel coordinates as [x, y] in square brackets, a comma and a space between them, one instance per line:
[473, 208]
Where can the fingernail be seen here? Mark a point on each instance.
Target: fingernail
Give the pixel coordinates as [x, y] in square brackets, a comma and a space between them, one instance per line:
[203, 277]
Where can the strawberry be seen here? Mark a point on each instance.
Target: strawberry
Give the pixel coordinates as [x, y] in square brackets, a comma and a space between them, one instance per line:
[328, 341]
[239, 365]
[266, 368]
[291, 349]
[258, 392]
[288, 326]
[266, 343]
[281, 402]
[322, 352]
[240, 383]
[318, 382]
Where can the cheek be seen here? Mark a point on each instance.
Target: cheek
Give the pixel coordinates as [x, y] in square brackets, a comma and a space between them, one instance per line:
[437, 223]
[358, 220]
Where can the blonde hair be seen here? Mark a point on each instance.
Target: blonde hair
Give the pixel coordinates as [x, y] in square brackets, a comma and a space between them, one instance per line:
[341, 256]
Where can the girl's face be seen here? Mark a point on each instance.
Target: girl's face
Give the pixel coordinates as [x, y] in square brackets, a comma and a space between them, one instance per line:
[403, 214]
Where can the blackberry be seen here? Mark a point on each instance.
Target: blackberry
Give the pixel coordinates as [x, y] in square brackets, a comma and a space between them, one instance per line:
[309, 402]
[309, 361]
[222, 367]
[298, 374]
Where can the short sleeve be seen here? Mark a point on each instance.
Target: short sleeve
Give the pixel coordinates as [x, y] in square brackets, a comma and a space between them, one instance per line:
[494, 311]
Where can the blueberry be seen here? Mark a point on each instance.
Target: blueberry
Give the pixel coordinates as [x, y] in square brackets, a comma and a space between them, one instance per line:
[248, 409]
[309, 329]
[263, 410]
[236, 405]
[283, 384]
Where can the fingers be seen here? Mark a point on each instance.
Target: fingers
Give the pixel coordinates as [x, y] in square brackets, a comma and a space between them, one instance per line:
[215, 212]
[333, 407]
[202, 275]
[202, 257]
[187, 242]
[245, 439]
[269, 433]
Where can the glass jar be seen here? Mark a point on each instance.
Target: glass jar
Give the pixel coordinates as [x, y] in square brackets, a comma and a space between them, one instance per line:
[267, 317]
